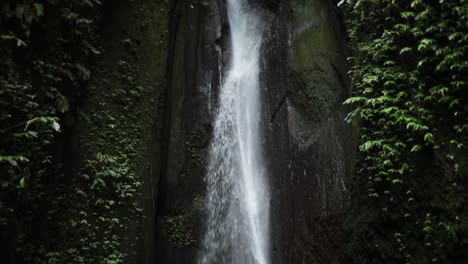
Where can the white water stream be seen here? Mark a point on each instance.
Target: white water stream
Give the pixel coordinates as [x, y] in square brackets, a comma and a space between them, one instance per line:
[237, 224]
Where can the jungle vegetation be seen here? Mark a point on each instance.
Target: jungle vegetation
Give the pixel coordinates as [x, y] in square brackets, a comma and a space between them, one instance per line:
[409, 81]
[409, 76]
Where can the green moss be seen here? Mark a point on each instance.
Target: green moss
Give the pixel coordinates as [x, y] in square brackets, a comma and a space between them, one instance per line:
[314, 34]
[179, 233]
[180, 229]
[115, 82]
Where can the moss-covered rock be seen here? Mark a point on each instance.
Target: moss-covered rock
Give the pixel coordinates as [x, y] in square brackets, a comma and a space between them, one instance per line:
[321, 141]
[122, 116]
[195, 66]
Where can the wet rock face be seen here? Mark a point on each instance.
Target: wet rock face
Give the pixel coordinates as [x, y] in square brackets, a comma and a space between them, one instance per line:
[321, 146]
[274, 72]
[198, 42]
[307, 144]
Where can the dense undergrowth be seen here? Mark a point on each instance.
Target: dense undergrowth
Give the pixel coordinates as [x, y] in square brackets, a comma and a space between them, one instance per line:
[49, 212]
[410, 97]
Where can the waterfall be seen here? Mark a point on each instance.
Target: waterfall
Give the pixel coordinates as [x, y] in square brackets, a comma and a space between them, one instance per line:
[237, 194]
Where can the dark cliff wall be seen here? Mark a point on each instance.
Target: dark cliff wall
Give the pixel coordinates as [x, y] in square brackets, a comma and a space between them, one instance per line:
[198, 34]
[307, 142]
[321, 141]
[122, 112]
[274, 89]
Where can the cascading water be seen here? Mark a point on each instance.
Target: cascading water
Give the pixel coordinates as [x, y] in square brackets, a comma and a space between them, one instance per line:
[237, 195]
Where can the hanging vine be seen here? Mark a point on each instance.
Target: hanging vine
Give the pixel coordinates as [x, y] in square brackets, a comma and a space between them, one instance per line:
[409, 75]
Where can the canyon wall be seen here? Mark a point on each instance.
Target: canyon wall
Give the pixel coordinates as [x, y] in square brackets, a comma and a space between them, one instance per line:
[307, 143]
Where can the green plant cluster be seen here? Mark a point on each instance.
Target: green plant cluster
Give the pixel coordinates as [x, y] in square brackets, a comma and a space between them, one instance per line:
[179, 234]
[410, 99]
[91, 231]
[47, 215]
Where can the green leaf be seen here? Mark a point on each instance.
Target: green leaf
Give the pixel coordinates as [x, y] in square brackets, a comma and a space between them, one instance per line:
[84, 73]
[396, 181]
[427, 229]
[98, 181]
[405, 50]
[39, 9]
[84, 21]
[55, 126]
[355, 99]
[13, 160]
[100, 157]
[429, 138]
[92, 48]
[19, 42]
[415, 148]
[22, 183]
[407, 14]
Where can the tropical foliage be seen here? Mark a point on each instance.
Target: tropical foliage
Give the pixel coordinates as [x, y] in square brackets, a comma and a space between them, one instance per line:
[410, 98]
[47, 50]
